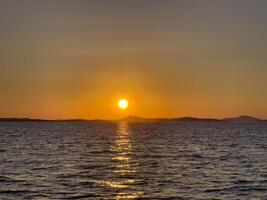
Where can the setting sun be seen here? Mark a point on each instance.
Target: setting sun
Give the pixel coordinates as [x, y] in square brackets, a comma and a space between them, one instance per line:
[123, 104]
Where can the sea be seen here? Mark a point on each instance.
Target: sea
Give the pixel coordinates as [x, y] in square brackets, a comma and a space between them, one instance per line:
[108, 160]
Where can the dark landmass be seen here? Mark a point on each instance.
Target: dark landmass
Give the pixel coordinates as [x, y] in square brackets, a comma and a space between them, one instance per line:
[131, 118]
[135, 119]
[243, 119]
[195, 119]
[39, 120]
[182, 119]
[240, 119]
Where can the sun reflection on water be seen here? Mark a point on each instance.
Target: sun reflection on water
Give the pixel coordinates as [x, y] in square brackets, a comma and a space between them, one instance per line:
[125, 166]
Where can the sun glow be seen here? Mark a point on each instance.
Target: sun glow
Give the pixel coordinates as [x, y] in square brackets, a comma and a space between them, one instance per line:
[123, 104]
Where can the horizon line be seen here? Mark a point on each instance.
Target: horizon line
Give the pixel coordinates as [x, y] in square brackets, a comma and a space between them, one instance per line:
[129, 116]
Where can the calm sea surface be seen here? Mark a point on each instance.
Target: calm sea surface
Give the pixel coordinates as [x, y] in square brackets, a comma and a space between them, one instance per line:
[133, 161]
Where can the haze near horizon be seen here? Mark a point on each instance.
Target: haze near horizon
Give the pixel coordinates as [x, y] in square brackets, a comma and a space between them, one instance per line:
[76, 59]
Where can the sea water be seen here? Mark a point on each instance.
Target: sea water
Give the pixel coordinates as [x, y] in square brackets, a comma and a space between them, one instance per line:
[86, 160]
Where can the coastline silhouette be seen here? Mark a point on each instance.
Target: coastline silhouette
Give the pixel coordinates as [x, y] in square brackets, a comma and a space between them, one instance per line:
[136, 119]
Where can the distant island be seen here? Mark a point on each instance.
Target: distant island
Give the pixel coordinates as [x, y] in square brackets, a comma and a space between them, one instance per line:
[239, 119]
[136, 119]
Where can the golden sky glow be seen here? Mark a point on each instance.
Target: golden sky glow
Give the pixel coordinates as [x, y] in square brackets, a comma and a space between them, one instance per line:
[76, 59]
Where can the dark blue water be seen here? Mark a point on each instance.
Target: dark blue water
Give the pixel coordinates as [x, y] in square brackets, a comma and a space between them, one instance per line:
[184, 160]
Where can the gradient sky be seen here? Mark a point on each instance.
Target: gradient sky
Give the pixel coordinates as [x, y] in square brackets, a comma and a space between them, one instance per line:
[170, 58]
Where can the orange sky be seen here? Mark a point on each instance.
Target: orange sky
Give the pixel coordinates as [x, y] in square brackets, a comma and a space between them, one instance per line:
[65, 59]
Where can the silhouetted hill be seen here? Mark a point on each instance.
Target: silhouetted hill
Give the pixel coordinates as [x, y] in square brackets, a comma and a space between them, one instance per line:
[191, 119]
[182, 119]
[38, 120]
[132, 118]
[243, 119]
[19, 120]
[136, 119]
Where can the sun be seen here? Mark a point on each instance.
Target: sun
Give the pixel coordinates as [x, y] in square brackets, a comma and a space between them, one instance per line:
[123, 104]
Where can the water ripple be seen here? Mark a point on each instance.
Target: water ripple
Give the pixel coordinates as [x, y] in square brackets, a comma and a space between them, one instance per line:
[133, 161]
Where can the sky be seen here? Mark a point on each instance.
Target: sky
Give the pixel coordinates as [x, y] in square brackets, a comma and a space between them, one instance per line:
[169, 58]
